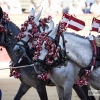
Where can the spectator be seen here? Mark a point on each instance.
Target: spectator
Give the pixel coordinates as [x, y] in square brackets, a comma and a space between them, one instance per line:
[95, 7]
[75, 8]
[15, 7]
[66, 4]
[86, 10]
[46, 6]
[90, 2]
[81, 3]
[55, 6]
[38, 4]
[4, 5]
[32, 5]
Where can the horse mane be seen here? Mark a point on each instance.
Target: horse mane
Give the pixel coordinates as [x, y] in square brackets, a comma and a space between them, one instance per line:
[14, 28]
[72, 33]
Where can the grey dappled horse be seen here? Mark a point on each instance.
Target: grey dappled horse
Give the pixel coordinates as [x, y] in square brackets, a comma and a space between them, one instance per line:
[63, 77]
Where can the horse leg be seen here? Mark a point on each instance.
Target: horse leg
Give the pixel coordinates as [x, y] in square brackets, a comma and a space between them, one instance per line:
[41, 89]
[85, 89]
[67, 91]
[79, 92]
[22, 90]
[60, 92]
[99, 98]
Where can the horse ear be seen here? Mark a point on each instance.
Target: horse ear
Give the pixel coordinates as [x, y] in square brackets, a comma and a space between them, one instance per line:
[54, 32]
[51, 26]
[32, 12]
[36, 19]
[1, 13]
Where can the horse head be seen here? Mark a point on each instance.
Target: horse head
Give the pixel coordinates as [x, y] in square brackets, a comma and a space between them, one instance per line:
[24, 36]
[30, 31]
[47, 52]
[40, 38]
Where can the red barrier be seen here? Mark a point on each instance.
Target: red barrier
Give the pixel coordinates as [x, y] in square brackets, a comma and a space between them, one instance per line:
[4, 56]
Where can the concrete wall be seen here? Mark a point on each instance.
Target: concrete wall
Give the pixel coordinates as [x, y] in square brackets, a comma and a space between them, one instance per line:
[19, 19]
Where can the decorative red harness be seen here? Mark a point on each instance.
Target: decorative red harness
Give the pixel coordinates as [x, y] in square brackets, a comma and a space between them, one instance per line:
[6, 19]
[84, 80]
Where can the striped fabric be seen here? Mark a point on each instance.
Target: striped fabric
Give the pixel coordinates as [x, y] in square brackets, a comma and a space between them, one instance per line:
[72, 22]
[95, 26]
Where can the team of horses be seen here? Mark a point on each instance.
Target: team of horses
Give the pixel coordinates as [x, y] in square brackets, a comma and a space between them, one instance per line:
[62, 75]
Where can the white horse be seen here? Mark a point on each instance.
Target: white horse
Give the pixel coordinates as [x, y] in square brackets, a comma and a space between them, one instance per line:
[80, 52]
[65, 76]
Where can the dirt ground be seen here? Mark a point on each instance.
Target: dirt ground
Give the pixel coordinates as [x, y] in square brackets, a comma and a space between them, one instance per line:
[10, 85]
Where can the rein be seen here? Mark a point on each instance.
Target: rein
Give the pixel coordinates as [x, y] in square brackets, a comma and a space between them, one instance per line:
[17, 67]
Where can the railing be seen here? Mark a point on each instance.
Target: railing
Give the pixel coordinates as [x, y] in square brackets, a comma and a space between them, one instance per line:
[19, 19]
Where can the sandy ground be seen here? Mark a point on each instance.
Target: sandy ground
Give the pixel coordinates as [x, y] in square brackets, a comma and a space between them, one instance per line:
[10, 85]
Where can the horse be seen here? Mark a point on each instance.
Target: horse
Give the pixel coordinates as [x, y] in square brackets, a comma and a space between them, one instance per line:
[28, 75]
[60, 76]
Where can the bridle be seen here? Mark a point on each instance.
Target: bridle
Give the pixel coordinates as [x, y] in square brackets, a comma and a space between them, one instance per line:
[25, 44]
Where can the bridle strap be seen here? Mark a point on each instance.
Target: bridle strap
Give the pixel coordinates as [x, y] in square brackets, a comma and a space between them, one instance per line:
[25, 44]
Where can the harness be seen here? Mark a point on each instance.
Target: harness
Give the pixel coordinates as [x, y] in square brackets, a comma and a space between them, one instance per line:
[84, 73]
[62, 58]
[61, 61]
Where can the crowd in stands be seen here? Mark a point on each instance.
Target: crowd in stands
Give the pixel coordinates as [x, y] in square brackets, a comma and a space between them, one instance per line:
[70, 6]
[11, 6]
[54, 6]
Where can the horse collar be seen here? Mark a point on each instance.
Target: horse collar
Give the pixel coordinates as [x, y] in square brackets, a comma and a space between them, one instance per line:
[84, 73]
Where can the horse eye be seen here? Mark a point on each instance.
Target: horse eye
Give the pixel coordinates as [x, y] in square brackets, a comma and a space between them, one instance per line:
[30, 30]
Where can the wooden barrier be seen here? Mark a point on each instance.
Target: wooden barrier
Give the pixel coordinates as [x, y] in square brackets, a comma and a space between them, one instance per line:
[19, 19]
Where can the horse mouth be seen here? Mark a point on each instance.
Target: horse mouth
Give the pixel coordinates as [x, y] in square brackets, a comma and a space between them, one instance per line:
[38, 68]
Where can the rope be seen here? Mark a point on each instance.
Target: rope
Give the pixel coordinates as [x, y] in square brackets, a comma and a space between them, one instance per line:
[17, 67]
